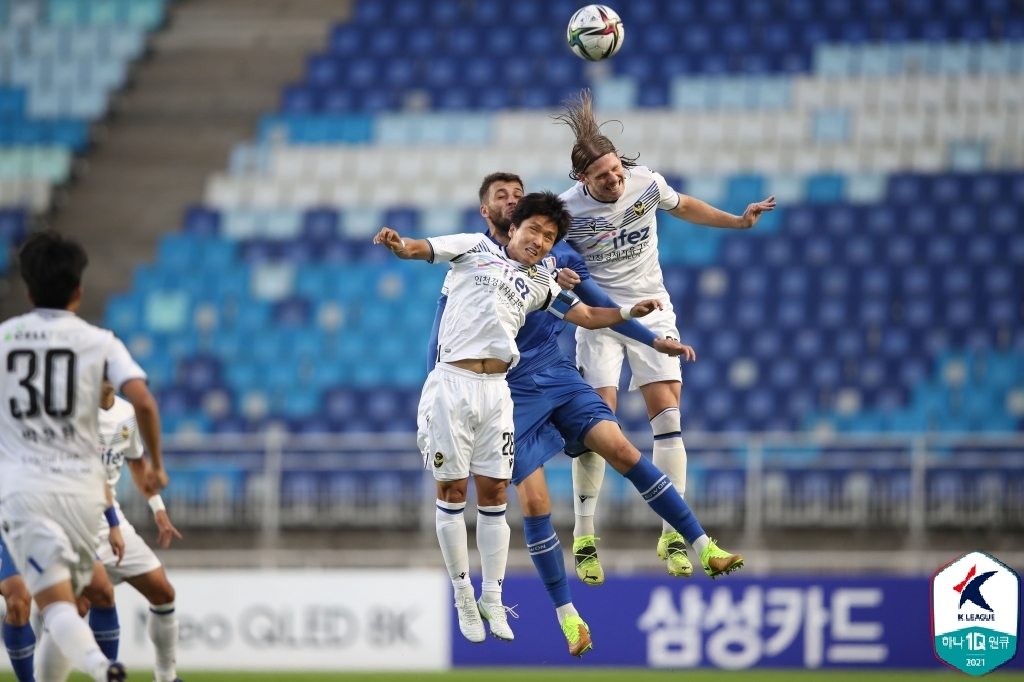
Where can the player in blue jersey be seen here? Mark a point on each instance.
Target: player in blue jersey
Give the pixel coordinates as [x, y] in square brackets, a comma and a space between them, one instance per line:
[19, 637]
[554, 409]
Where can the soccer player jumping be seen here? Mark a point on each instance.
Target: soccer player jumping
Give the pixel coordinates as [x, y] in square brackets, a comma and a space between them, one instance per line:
[465, 423]
[613, 208]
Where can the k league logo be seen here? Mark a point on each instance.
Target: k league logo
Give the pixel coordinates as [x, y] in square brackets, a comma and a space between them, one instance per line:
[975, 612]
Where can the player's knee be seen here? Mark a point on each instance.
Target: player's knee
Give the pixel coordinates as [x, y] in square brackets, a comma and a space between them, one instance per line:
[161, 593]
[493, 496]
[448, 491]
[100, 595]
[19, 605]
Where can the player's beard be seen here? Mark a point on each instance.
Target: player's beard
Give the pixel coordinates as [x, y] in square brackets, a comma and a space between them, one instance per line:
[500, 221]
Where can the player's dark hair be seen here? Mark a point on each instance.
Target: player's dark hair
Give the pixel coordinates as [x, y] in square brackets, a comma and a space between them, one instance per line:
[485, 186]
[52, 267]
[543, 204]
[590, 144]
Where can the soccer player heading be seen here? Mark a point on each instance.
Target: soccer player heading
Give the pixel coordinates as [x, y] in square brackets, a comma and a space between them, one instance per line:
[52, 484]
[614, 228]
[465, 422]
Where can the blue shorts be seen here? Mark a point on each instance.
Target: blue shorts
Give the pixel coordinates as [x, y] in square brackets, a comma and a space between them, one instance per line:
[7, 567]
[552, 408]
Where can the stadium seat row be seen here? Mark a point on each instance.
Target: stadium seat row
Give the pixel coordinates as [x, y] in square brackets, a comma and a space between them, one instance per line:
[63, 42]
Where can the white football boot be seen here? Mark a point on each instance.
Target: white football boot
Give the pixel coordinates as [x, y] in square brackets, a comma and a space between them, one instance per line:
[496, 616]
[470, 624]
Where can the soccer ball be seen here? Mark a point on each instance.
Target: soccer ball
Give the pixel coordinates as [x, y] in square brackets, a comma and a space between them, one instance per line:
[595, 32]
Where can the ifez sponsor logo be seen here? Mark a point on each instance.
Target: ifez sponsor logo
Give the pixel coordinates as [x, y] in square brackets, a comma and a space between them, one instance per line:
[975, 613]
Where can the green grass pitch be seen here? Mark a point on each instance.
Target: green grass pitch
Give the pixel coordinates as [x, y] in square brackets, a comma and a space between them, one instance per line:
[576, 674]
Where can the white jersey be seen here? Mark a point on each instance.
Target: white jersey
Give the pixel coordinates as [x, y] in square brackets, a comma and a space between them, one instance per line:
[619, 240]
[53, 367]
[489, 295]
[119, 438]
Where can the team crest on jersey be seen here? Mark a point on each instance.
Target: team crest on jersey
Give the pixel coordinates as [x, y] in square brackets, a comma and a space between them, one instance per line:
[639, 208]
[549, 263]
[125, 432]
[438, 460]
[532, 272]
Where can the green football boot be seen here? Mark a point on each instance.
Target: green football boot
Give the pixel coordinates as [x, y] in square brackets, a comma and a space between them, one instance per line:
[718, 562]
[588, 566]
[578, 635]
[672, 550]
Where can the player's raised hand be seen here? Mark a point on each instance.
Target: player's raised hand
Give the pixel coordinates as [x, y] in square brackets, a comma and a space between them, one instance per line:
[389, 238]
[674, 349]
[754, 211]
[644, 308]
[117, 543]
[166, 528]
[567, 278]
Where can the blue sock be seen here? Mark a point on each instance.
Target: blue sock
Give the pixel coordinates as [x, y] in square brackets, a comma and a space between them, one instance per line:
[106, 629]
[21, 647]
[661, 495]
[546, 552]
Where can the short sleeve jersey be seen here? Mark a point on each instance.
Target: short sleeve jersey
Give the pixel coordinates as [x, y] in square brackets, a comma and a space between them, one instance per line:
[489, 296]
[619, 240]
[119, 438]
[53, 367]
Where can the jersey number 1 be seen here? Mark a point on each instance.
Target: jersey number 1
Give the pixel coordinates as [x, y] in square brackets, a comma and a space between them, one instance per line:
[51, 365]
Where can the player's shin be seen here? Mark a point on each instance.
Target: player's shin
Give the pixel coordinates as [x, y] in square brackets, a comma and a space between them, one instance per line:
[51, 664]
[658, 492]
[669, 451]
[106, 629]
[450, 522]
[587, 477]
[162, 626]
[75, 640]
[492, 538]
[546, 552]
[21, 645]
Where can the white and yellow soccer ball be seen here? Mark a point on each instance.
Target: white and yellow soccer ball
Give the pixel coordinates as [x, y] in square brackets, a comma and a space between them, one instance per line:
[595, 32]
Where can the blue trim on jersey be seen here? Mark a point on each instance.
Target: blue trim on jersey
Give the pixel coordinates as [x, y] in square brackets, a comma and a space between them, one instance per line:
[7, 567]
[37, 566]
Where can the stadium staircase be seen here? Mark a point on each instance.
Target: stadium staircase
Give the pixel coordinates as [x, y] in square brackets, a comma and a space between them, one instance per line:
[198, 87]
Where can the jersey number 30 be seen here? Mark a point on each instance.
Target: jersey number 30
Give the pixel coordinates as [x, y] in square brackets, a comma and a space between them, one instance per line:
[24, 365]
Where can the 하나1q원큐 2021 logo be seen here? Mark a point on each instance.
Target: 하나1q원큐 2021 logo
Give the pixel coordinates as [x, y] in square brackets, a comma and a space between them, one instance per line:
[975, 612]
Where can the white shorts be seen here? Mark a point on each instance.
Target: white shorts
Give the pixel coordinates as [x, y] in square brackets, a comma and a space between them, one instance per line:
[52, 538]
[465, 424]
[599, 354]
[139, 559]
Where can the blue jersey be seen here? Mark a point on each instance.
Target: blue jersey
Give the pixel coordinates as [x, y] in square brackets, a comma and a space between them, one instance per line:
[538, 338]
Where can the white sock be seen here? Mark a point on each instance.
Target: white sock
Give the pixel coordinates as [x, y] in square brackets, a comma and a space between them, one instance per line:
[451, 535]
[163, 631]
[492, 538]
[587, 476]
[669, 452]
[700, 543]
[565, 610]
[75, 639]
[51, 665]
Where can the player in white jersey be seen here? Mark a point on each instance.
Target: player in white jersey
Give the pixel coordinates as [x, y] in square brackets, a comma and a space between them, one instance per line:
[465, 421]
[614, 228]
[52, 484]
[139, 566]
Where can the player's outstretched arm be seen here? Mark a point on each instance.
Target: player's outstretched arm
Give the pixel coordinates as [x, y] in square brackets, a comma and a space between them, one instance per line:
[115, 538]
[700, 213]
[599, 318]
[147, 416]
[406, 249]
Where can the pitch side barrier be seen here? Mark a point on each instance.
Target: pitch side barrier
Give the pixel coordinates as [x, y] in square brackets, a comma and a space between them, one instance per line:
[747, 482]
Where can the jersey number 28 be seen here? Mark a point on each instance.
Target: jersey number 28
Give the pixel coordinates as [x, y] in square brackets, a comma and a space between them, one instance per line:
[24, 365]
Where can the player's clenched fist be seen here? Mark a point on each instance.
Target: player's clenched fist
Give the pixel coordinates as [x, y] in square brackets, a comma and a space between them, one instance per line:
[674, 349]
[644, 308]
